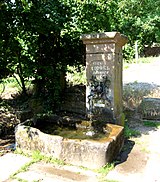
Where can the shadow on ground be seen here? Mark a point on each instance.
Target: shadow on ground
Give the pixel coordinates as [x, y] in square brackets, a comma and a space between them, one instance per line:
[123, 155]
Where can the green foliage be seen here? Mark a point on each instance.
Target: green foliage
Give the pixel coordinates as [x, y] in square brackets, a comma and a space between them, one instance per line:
[40, 38]
[141, 60]
[22, 169]
[128, 132]
[139, 21]
[10, 82]
[151, 123]
[146, 60]
[128, 53]
[105, 169]
[37, 156]
[76, 75]
[106, 180]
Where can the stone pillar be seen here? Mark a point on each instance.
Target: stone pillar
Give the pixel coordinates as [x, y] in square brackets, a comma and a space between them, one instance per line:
[104, 76]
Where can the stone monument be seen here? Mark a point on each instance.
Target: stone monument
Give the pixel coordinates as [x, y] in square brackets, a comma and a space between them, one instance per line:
[104, 103]
[104, 76]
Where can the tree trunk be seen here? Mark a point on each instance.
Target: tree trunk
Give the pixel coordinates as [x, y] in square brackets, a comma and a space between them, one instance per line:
[20, 74]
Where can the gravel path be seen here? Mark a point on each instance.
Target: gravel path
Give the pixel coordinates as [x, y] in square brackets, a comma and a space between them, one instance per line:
[147, 73]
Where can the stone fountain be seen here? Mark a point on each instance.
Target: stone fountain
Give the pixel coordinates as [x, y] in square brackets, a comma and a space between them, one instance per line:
[103, 110]
[104, 76]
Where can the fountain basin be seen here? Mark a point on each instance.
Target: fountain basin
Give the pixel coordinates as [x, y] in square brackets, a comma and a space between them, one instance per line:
[90, 153]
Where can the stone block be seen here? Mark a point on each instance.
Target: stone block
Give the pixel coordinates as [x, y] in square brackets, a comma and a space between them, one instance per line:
[150, 108]
[88, 153]
[104, 74]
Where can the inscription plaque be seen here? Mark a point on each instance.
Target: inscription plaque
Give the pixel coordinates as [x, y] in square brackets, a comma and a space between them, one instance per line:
[99, 69]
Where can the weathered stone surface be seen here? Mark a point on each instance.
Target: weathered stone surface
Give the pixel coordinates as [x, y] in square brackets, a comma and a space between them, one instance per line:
[150, 108]
[74, 103]
[29, 138]
[104, 75]
[87, 153]
[74, 100]
[133, 93]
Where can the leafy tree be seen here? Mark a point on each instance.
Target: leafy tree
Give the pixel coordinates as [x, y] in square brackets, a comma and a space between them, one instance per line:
[39, 38]
[140, 20]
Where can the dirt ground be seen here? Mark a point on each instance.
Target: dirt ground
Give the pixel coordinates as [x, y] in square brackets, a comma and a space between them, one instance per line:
[139, 159]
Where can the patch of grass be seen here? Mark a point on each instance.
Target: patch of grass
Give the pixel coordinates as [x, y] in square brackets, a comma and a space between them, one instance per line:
[145, 150]
[128, 132]
[105, 169]
[151, 123]
[10, 82]
[126, 65]
[22, 169]
[106, 180]
[147, 59]
[38, 156]
[21, 180]
[21, 152]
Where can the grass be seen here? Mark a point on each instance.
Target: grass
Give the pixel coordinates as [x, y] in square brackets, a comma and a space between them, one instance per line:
[145, 150]
[74, 77]
[106, 180]
[11, 84]
[105, 169]
[128, 132]
[38, 156]
[143, 60]
[24, 168]
[149, 123]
